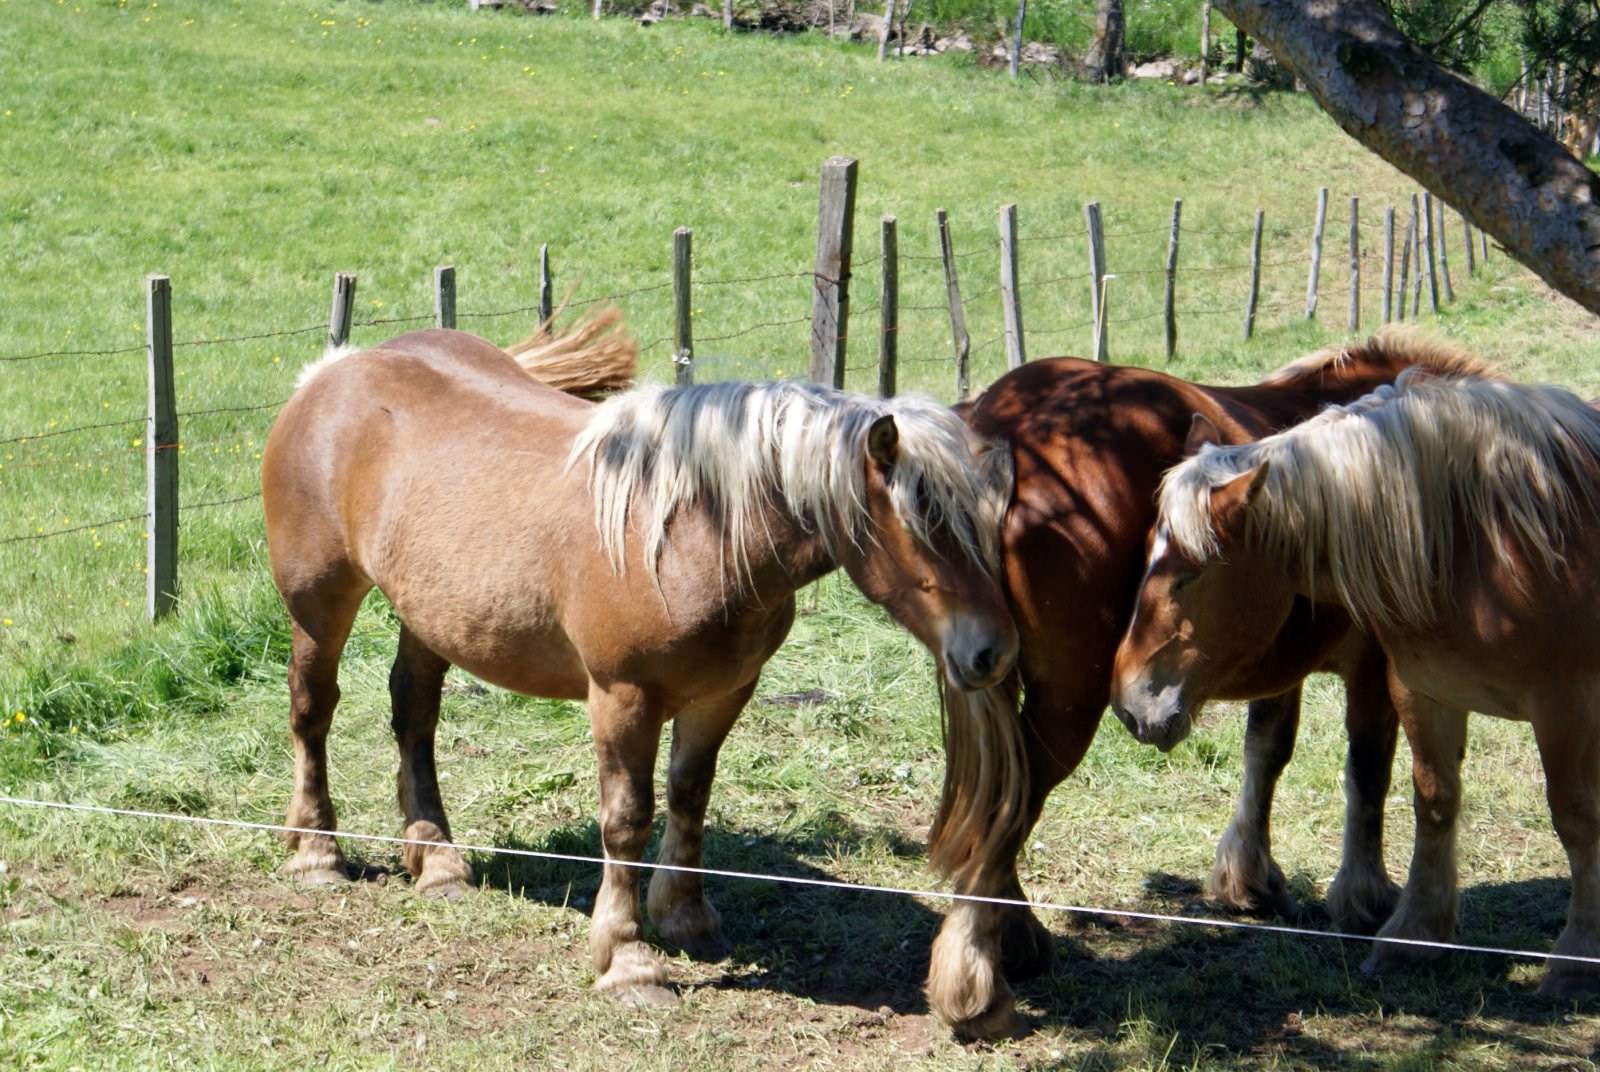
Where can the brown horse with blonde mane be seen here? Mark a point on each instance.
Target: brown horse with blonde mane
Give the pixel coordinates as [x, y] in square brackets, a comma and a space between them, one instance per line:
[1089, 443]
[642, 553]
[1456, 520]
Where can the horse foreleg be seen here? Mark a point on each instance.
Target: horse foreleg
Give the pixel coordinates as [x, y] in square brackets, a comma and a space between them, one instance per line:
[1245, 876]
[313, 694]
[1361, 896]
[980, 944]
[1569, 745]
[677, 903]
[1427, 908]
[626, 735]
[415, 683]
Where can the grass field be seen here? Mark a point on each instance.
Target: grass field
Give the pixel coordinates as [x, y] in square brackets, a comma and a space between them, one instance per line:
[250, 150]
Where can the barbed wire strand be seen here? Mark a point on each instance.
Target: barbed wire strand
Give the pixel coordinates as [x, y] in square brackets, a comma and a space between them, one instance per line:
[1281, 929]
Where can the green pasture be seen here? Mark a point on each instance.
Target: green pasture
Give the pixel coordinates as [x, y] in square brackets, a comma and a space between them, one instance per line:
[251, 149]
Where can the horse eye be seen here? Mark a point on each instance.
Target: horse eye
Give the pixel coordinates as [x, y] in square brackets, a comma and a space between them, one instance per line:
[1183, 580]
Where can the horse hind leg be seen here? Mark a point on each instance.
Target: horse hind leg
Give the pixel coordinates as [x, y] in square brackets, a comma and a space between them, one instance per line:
[677, 903]
[415, 684]
[319, 630]
[1245, 876]
[1569, 745]
[626, 735]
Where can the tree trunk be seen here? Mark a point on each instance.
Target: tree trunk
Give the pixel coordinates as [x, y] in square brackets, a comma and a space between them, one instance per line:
[1104, 60]
[1511, 180]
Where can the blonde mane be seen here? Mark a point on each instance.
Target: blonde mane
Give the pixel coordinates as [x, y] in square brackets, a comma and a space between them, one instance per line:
[1371, 495]
[742, 449]
[1397, 344]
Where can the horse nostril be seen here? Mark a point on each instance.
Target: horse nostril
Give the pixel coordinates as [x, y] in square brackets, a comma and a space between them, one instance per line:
[983, 662]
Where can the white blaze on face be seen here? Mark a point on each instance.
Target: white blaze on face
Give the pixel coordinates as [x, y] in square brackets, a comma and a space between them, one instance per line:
[1158, 548]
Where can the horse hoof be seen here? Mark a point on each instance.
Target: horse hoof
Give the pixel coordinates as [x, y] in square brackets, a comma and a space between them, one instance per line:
[706, 948]
[644, 997]
[322, 876]
[1000, 1022]
[1569, 985]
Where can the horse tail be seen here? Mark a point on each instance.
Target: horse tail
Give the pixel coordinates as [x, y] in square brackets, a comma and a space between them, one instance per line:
[596, 357]
[983, 813]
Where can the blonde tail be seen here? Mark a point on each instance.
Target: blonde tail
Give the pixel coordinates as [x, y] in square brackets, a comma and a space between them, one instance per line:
[597, 357]
[983, 812]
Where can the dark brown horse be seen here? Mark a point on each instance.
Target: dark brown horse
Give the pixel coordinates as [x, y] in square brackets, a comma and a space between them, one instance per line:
[642, 553]
[1089, 444]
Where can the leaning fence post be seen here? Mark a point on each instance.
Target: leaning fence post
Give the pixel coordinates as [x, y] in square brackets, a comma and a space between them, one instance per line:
[1443, 242]
[1316, 253]
[1016, 354]
[1355, 264]
[1405, 262]
[683, 314]
[444, 296]
[161, 456]
[958, 318]
[1255, 277]
[344, 305]
[830, 306]
[1388, 263]
[546, 288]
[1427, 250]
[1466, 240]
[1097, 273]
[1170, 306]
[888, 309]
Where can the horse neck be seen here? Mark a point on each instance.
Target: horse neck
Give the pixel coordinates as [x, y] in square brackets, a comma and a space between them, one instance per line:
[1292, 401]
[785, 554]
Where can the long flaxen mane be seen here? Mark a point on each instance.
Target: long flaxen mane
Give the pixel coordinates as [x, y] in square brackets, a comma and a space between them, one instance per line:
[1377, 495]
[743, 449]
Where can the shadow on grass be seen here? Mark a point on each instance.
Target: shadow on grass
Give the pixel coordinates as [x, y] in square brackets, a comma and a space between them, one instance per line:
[1220, 991]
[832, 946]
[1216, 992]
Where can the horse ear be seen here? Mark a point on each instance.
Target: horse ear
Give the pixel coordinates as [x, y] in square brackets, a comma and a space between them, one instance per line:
[1201, 432]
[1237, 494]
[883, 441]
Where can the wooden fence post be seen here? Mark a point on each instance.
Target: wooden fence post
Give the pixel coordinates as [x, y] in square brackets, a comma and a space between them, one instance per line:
[1172, 275]
[1442, 241]
[883, 37]
[830, 307]
[1388, 263]
[343, 311]
[1483, 244]
[1255, 276]
[1355, 264]
[1205, 41]
[1405, 263]
[599, 7]
[1097, 273]
[683, 312]
[161, 456]
[547, 307]
[1316, 253]
[958, 317]
[1016, 37]
[1466, 240]
[1427, 250]
[727, 14]
[444, 296]
[1416, 280]
[888, 309]
[1016, 352]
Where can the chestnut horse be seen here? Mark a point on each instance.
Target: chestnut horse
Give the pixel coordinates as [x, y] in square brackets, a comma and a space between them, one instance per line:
[1455, 519]
[1089, 444]
[642, 553]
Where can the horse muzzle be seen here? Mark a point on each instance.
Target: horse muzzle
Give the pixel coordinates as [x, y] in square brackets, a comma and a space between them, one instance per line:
[1155, 716]
[976, 657]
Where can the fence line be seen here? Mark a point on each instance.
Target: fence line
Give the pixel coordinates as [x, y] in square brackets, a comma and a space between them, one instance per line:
[1281, 929]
